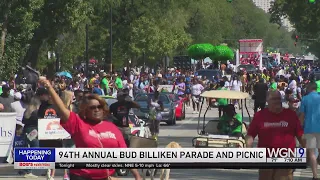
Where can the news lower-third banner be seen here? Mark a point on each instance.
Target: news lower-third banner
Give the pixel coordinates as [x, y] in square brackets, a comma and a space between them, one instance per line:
[185, 158]
[34, 155]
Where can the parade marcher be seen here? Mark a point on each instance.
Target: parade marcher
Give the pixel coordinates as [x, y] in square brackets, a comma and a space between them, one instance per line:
[104, 84]
[235, 85]
[30, 129]
[222, 102]
[85, 129]
[196, 90]
[310, 117]
[118, 83]
[96, 89]
[181, 87]
[78, 94]
[48, 110]
[273, 84]
[285, 127]
[120, 111]
[260, 90]
[155, 116]
[188, 90]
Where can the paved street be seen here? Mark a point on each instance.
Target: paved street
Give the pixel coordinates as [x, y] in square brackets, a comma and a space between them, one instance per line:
[183, 133]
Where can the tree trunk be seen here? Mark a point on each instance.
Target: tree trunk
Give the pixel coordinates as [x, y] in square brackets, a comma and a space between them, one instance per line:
[4, 34]
[34, 48]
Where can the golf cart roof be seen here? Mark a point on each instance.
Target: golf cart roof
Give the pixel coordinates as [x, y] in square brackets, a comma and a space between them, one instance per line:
[225, 94]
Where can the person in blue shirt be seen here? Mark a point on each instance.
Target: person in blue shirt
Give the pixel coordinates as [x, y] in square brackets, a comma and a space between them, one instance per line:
[188, 90]
[96, 89]
[310, 118]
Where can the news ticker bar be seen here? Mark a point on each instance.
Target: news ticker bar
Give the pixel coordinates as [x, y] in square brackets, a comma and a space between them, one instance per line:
[139, 165]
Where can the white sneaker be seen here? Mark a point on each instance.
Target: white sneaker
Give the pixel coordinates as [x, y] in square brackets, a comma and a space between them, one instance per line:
[194, 112]
[30, 175]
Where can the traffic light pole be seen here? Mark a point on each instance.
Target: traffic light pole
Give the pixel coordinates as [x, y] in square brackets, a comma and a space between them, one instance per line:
[111, 42]
[87, 50]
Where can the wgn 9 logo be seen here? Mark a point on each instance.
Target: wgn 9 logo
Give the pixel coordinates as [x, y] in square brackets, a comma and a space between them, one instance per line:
[286, 153]
[301, 153]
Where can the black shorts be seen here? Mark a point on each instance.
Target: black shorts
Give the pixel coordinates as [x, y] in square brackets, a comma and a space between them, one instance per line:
[258, 105]
[188, 91]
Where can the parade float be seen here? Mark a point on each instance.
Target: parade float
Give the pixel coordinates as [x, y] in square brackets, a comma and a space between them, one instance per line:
[250, 52]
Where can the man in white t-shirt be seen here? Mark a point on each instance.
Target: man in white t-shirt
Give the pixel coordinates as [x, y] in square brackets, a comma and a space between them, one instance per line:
[196, 90]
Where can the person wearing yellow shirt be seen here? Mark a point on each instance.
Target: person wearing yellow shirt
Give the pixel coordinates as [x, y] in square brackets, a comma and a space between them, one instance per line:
[93, 80]
[266, 77]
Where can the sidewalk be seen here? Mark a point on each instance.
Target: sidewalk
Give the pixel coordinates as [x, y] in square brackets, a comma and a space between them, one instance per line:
[306, 174]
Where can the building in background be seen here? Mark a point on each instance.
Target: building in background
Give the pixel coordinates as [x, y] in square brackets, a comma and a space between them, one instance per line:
[263, 4]
[266, 5]
[286, 23]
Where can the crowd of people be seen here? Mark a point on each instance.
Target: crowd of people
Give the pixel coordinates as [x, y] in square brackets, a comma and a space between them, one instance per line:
[79, 104]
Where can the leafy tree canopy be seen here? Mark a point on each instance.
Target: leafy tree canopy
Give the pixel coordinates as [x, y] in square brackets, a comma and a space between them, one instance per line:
[155, 29]
[305, 17]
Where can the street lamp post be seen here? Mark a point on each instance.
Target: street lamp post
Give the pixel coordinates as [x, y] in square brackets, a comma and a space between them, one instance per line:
[144, 61]
[57, 62]
[111, 45]
[87, 50]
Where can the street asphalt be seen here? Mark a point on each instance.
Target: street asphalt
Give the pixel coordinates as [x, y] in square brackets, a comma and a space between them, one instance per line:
[182, 132]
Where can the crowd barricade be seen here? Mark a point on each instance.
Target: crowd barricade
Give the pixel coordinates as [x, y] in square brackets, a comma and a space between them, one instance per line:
[7, 133]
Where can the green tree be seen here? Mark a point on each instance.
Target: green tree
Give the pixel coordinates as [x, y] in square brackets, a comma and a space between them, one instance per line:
[17, 25]
[55, 17]
[305, 18]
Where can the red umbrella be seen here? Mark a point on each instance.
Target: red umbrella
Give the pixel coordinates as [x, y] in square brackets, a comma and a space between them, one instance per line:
[93, 61]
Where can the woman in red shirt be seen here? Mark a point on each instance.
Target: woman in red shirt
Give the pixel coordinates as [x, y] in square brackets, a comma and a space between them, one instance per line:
[85, 129]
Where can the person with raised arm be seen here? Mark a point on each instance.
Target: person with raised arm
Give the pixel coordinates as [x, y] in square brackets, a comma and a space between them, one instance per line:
[86, 128]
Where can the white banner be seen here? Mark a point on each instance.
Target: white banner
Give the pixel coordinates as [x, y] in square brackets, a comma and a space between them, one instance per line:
[49, 129]
[7, 132]
[168, 88]
[251, 45]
